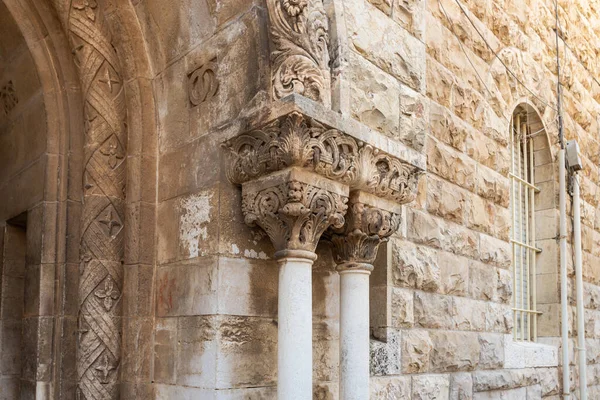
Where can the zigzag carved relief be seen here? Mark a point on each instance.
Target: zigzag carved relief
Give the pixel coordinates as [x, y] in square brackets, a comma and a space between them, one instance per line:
[102, 242]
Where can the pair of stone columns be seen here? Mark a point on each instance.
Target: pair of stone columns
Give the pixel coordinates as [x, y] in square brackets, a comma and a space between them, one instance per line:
[302, 181]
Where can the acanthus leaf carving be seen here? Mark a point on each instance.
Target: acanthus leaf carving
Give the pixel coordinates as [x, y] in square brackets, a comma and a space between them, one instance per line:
[292, 141]
[294, 214]
[300, 34]
[366, 227]
[386, 176]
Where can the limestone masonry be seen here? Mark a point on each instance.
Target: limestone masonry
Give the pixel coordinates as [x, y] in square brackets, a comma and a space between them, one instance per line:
[297, 199]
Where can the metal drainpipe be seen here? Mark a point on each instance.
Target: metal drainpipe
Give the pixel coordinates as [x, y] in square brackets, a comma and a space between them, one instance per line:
[563, 274]
[579, 288]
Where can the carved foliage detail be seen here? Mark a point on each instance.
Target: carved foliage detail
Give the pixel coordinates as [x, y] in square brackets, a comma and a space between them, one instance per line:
[8, 97]
[294, 214]
[292, 141]
[299, 31]
[365, 229]
[202, 83]
[385, 176]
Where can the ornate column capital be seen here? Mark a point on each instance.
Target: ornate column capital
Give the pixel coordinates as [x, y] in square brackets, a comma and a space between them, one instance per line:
[294, 207]
[370, 221]
[294, 163]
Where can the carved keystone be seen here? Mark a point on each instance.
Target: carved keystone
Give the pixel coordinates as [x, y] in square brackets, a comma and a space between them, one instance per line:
[294, 207]
[370, 221]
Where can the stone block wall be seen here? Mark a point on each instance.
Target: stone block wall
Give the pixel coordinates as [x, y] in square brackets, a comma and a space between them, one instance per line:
[420, 73]
[439, 77]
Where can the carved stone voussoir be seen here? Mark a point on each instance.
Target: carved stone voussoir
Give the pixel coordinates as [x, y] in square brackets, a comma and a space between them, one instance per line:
[299, 30]
[292, 140]
[294, 207]
[370, 221]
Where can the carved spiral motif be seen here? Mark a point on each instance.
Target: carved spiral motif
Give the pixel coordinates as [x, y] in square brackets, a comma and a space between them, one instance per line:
[203, 84]
[102, 243]
[294, 214]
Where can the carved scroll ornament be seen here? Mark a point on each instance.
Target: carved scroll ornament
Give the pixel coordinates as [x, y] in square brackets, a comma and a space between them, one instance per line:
[385, 176]
[367, 226]
[293, 141]
[292, 212]
[300, 59]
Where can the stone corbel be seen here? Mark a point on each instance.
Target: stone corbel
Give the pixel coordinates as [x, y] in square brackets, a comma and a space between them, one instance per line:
[297, 172]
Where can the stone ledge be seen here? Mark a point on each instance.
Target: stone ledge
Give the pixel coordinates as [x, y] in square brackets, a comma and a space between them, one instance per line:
[528, 355]
[333, 119]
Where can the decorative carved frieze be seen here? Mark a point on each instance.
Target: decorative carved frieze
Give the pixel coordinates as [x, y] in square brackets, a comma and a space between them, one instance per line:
[299, 31]
[103, 216]
[385, 176]
[293, 141]
[8, 97]
[294, 207]
[202, 83]
[369, 222]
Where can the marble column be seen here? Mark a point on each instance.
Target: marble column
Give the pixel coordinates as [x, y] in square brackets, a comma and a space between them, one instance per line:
[294, 207]
[370, 220]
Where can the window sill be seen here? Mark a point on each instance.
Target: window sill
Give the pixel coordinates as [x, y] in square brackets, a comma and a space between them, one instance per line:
[528, 355]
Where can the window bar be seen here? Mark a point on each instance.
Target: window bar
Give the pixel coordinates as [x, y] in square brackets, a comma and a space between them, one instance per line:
[533, 266]
[519, 172]
[513, 225]
[526, 232]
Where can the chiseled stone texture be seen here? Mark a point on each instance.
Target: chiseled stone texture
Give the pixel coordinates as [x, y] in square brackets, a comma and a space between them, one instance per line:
[199, 290]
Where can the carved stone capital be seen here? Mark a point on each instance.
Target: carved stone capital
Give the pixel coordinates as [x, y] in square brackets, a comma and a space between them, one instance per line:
[369, 222]
[292, 140]
[294, 207]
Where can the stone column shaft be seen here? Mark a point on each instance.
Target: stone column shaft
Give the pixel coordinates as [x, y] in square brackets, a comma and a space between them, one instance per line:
[294, 357]
[370, 221]
[294, 207]
[354, 334]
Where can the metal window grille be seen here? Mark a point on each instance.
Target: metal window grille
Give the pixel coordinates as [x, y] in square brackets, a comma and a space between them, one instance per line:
[523, 230]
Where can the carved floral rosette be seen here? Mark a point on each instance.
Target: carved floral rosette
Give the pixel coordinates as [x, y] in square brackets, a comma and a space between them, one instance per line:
[292, 141]
[370, 221]
[299, 30]
[293, 212]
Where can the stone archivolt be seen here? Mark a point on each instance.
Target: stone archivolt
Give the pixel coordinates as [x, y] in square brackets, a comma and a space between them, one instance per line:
[299, 30]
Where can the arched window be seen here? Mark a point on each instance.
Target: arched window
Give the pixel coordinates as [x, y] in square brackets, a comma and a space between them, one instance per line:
[524, 250]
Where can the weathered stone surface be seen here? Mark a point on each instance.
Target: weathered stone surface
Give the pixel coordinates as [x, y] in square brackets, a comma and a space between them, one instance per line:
[415, 266]
[385, 353]
[433, 311]
[454, 351]
[416, 349]
[461, 386]
[492, 351]
[430, 387]
[390, 388]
